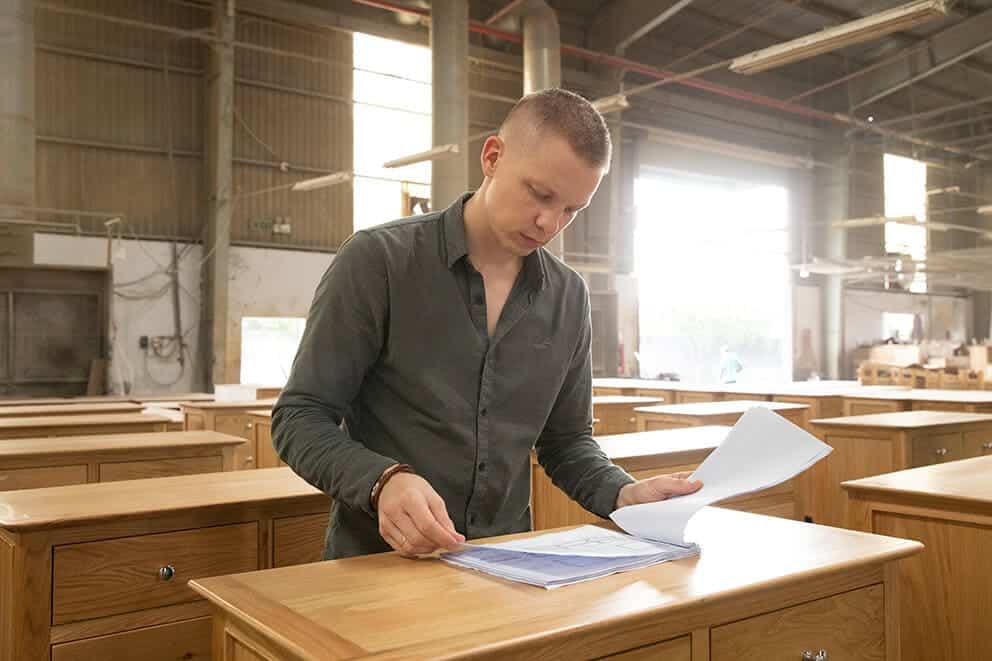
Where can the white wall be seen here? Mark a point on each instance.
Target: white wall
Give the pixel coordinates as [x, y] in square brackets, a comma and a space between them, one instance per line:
[263, 282]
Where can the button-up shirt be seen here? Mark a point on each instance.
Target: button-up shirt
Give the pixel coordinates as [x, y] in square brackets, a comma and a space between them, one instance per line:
[396, 348]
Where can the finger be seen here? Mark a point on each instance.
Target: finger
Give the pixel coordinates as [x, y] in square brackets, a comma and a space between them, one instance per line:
[417, 541]
[392, 536]
[440, 513]
[683, 475]
[408, 539]
[429, 530]
[680, 487]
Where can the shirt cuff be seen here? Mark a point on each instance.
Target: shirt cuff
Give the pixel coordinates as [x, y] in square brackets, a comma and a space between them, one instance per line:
[606, 498]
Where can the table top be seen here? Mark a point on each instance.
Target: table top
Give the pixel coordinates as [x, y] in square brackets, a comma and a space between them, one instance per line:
[427, 609]
[251, 404]
[68, 409]
[80, 420]
[968, 481]
[662, 441]
[173, 397]
[906, 419]
[64, 445]
[719, 408]
[52, 507]
[263, 413]
[83, 399]
[621, 400]
[928, 395]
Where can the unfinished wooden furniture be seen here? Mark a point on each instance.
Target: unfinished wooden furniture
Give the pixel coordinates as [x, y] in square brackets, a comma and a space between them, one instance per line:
[869, 445]
[261, 424]
[32, 463]
[948, 587]
[52, 410]
[677, 416]
[967, 401]
[228, 418]
[173, 397]
[616, 412]
[644, 455]
[631, 387]
[81, 425]
[41, 401]
[764, 588]
[99, 571]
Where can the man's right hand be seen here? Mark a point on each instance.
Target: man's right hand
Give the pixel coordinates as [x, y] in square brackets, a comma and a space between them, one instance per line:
[413, 518]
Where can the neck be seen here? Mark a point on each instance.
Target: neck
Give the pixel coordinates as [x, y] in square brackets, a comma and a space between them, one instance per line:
[484, 249]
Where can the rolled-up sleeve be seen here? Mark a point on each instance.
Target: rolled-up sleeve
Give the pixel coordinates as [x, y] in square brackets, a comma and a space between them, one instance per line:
[344, 335]
[566, 449]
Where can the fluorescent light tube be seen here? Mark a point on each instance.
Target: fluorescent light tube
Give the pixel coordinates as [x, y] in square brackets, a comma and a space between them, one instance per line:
[322, 182]
[613, 103]
[841, 36]
[429, 155]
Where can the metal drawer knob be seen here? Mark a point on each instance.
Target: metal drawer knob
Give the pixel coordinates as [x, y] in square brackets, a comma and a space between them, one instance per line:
[940, 452]
[249, 459]
[167, 572]
[808, 655]
[987, 446]
[248, 425]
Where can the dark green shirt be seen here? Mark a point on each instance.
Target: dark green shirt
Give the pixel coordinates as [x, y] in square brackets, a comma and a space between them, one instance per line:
[396, 345]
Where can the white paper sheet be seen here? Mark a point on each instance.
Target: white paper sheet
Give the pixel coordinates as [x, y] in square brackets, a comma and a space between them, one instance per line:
[762, 450]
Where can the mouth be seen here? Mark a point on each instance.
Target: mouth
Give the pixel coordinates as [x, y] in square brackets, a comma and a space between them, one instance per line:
[529, 242]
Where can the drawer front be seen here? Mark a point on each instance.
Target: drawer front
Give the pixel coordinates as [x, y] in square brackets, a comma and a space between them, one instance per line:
[848, 626]
[139, 470]
[655, 422]
[37, 478]
[265, 453]
[600, 391]
[863, 407]
[694, 397]
[123, 575]
[234, 424]
[189, 641]
[977, 443]
[298, 539]
[936, 449]
[678, 649]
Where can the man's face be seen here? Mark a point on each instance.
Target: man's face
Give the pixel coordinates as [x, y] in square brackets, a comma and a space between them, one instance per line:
[536, 189]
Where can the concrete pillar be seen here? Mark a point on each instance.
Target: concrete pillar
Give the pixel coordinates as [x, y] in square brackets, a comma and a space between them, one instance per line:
[17, 119]
[218, 165]
[833, 203]
[449, 65]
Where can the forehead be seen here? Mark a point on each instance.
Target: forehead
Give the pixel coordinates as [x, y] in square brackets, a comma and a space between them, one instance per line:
[548, 159]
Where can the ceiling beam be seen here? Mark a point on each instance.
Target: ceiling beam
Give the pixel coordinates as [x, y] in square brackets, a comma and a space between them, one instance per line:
[944, 49]
[651, 25]
[622, 21]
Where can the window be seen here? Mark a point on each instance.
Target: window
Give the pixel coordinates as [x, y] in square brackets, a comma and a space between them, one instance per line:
[898, 325]
[268, 346]
[712, 272]
[392, 118]
[906, 195]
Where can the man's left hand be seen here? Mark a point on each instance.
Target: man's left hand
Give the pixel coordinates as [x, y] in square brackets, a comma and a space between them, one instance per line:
[659, 487]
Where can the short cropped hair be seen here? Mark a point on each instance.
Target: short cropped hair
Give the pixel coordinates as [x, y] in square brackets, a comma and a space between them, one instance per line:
[572, 118]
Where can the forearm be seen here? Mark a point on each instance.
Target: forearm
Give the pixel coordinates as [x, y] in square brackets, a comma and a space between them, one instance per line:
[578, 466]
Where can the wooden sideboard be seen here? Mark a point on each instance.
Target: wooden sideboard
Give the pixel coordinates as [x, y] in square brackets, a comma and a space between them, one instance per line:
[33, 463]
[644, 455]
[100, 571]
[870, 445]
[616, 412]
[947, 587]
[728, 412]
[228, 418]
[81, 425]
[763, 588]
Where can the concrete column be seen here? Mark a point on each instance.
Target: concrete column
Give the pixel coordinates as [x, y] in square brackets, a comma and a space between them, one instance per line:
[17, 118]
[218, 165]
[449, 119]
[833, 203]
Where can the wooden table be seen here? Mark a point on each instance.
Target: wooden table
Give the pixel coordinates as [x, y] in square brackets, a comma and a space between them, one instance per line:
[870, 445]
[81, 425]
[677, 416]
[173, 397]
[228, 418]
[99, 571]
[261, 423]
[616, 412]
[38, 410]
[31, 463]
[948, 507]
[812, 588]
[967, 401]
[646, 454]
[40, 401]
[630, 387]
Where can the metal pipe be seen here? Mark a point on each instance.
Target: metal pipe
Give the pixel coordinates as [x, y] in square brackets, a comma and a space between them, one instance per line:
[652, 24]
[17, 103]
[504, 11]
[449, 98]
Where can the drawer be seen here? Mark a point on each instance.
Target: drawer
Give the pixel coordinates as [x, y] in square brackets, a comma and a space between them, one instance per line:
[654, 422]
[234, 424]
[977, 444]
[298, 539]
[849, 626]
[694, 397]
[116, 576]
[37, 478]
[189, 641]
[859, 407]
[139, 470]
[936, 449]
[677, 649]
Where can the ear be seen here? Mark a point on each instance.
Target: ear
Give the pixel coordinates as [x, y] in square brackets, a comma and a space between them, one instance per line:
[492, 151]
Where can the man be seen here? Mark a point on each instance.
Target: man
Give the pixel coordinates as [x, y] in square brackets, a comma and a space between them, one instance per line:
[451, 344]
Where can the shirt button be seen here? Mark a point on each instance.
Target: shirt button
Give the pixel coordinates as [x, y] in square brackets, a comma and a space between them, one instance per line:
[483, 412]
[471, 519]
[479, 300]
[482, 467]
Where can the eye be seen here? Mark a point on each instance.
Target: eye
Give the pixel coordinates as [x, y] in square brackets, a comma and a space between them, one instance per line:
[544, 197]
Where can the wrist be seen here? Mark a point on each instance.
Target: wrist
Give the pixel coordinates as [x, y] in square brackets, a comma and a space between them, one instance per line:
[380, 484]
[624, 496]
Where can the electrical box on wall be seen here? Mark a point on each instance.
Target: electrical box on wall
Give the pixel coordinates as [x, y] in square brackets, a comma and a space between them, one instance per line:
[16, 245]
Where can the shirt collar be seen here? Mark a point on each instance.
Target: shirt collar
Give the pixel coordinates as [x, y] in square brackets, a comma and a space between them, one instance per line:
[456, 247]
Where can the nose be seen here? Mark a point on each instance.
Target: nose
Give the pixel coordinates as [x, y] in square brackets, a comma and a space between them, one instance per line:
[549, 221]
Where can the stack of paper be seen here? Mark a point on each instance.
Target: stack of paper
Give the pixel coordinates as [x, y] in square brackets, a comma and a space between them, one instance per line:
[762, 450]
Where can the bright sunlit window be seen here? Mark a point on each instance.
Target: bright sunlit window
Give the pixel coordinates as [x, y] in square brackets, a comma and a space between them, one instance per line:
[898, 325]
[906, 195]
[392, 118]
[713, 278]
[268, 346]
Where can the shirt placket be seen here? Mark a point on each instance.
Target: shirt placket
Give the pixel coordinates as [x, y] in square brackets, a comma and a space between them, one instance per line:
[476, 500]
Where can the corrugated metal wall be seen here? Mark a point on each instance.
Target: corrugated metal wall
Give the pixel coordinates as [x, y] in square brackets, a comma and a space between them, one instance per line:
[108, 116]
